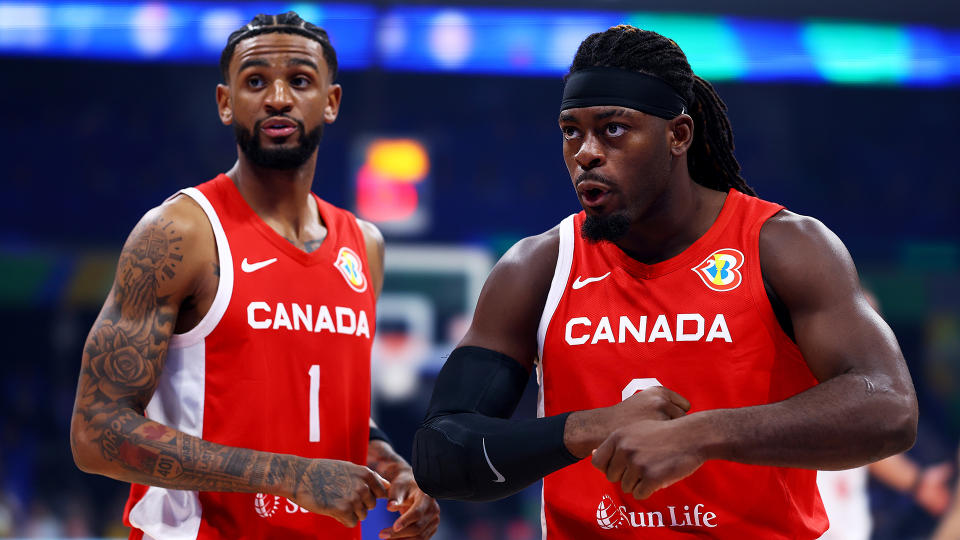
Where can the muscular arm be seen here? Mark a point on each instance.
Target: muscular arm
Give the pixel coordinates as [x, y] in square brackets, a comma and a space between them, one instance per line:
[864, 408]
[161, 265]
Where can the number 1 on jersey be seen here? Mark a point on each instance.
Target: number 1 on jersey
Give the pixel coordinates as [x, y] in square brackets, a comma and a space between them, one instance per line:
[315, 403]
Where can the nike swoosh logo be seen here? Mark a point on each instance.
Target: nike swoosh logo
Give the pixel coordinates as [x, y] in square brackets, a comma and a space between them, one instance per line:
[253, 267]
[577, 283]
[500, 477]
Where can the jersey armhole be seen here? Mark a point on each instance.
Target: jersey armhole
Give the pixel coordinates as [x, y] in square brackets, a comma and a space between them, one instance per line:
[561, 275]
[365, 259]
[759, 292]
[224, 287]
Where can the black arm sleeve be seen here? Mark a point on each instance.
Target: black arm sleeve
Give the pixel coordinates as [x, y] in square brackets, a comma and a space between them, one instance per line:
[467, 449]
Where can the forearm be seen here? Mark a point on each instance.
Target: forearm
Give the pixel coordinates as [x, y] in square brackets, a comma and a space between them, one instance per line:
[585, 430]
[382, 458]
[847, 421]
[472, 457]
[129, 447]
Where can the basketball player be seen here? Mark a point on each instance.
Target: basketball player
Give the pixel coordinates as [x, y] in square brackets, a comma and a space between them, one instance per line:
[228, 375]
[675, 276]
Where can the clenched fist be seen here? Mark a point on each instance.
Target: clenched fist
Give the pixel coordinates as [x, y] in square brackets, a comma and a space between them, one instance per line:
[339, 489]
[648, 455]
[586, 430]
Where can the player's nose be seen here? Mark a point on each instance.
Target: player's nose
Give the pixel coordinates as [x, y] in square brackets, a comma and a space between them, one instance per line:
[279, 99]
[590, 155]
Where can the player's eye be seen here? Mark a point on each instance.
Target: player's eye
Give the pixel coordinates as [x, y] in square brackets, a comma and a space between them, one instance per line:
[300, 81]
[615, 130]
[256, 82]
[570, 132]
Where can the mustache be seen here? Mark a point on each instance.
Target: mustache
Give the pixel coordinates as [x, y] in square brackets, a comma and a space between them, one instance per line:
[596, 177]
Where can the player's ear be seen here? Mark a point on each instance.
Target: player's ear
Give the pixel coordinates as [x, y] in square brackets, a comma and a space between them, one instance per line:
[332, 108]
[224, 107]
[680, 134]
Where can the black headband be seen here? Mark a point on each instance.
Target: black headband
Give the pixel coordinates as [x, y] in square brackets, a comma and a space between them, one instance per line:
[593, 86]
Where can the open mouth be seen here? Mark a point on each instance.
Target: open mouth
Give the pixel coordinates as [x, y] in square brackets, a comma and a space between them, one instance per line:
[592, 193]
[278, 127]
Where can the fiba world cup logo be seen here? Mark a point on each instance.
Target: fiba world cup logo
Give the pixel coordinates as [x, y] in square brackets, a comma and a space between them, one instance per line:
[721, 269]
[350, 267]
[609, 515]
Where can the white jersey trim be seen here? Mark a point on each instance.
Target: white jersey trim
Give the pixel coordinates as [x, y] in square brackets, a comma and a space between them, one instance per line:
[167, 514]
[560, 277]
[177, 403]
[543, 514]
[178, 400]
[224, 289]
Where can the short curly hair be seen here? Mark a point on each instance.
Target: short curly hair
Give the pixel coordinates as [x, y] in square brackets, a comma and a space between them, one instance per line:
[284, 23]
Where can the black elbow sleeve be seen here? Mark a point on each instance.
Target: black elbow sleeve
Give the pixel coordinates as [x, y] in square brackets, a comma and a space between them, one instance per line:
[437, 466]
[464, 451]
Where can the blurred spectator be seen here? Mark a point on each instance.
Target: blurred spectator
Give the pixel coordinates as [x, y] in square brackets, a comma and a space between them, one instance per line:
[949, 528]
[42, 523]
[844, 493]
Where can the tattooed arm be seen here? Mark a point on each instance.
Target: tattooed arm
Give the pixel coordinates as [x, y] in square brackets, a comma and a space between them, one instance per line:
[165, 269]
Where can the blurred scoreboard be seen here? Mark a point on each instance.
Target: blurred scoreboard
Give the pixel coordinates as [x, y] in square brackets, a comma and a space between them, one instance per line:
[502, 41]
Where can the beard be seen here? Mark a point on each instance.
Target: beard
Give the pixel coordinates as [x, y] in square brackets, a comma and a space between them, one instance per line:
[598, 228]
[277, 158]
[610, 228]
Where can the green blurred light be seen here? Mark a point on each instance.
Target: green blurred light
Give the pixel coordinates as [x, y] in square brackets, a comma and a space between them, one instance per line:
[710, 44]
[851, 53]
[312, 13]
[22, 278]
[931, 256]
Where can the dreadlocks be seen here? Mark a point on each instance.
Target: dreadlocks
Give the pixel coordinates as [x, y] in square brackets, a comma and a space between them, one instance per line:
[285, 23]
[710, 159]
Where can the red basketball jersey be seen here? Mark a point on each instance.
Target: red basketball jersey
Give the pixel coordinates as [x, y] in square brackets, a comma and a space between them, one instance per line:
[280, 363]
[700, 324]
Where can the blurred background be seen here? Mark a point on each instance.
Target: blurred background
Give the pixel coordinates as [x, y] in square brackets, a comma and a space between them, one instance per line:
[845, 110]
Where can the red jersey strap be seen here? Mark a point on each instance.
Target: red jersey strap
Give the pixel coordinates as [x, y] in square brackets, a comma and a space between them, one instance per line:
[756, 213]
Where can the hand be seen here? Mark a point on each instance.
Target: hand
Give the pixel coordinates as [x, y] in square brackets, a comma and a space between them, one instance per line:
[648, 455]
[339, 489]
[654, 403]
[933, 490]
[585, 430]
[419, 512]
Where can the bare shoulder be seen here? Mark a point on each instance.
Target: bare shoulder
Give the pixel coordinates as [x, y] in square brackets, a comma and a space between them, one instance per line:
[174, 242]
[526, 269]
[374, 244]
[802, 259]
[534, 254]
[509, 308]
[371, 234]
[787, 231]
